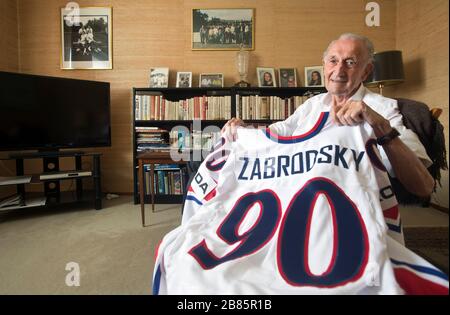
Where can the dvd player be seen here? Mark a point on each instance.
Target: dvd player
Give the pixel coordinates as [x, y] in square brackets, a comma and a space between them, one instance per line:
[65, 174]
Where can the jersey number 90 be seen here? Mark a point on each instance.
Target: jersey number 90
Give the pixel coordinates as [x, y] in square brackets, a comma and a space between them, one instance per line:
[350, 241]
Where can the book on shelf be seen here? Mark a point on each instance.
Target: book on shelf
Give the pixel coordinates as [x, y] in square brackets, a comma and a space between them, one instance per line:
[156, 107]
[151, 138]
[169, 179]
[256, 107]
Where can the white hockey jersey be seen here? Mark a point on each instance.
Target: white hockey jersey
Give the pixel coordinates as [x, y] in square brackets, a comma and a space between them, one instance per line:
[288, 215]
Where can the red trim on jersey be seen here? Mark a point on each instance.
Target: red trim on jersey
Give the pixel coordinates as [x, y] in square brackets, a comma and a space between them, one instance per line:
[314, 128]
[191, 189]
[238, 225]
[210, 195]
[415, 285]
[203, 242]
[391, 213]
[157, 251]
[364, 230]
[308, 230]
[246, 212]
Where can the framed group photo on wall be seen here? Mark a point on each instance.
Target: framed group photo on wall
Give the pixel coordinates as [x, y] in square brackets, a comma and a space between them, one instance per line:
[86, 38]
[223, 29]
[314, 76]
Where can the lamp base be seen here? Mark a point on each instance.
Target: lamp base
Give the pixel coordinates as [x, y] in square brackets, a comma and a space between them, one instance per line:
[242, 84]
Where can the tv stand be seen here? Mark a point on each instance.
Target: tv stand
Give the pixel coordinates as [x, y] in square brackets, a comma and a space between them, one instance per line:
[51, 166]
[50, 153]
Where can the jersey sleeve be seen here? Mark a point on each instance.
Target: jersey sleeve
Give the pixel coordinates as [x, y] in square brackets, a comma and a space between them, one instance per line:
[203, 185]
[391, 112]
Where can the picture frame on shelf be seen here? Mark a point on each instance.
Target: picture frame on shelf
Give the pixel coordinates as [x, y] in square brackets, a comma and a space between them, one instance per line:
[223, 29]
[211, 80]
[159, 77]
[86, 38]
[266, 77]
[184, 80]
[287, 77]
[314, 76]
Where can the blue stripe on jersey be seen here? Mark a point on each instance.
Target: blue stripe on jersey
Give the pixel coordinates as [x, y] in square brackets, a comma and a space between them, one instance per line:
[395, 228]
[296, 139]
[190, 197]
[157, 280]
[423, 269]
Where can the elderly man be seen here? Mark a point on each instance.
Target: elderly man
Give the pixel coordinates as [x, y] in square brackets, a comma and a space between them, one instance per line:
[347, 63]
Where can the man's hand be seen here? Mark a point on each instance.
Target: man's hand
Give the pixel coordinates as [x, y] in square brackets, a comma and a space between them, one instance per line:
[406, 165]
[231, 126]
[352, 113]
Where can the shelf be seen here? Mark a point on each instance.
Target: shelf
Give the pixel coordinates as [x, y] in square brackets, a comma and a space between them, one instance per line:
[36, 199]
[30, 202]
[144, 123]
[14, 180]
[52, 190]
[235, 96]
[165, 199]
[196, 90]
[261, 121]
[174, 94]
[68, 197]
[51, 154]
[61, 176]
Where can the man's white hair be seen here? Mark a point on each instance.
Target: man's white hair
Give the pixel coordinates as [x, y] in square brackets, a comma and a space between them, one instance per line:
[367, 44]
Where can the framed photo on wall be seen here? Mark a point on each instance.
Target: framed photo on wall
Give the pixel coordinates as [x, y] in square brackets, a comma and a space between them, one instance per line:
[314, 76]
[266, 77]
[159, 77]
[184, 79]
[86, 38]
[223, 29]
[288, 77]
[211, 80]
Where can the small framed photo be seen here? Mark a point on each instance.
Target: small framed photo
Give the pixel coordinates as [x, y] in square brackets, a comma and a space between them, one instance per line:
[184, 79]
[288, 77]
[314, 76]
[211, 80]
[86, 38]
[159, 77]
[266, 77]
[223, 29]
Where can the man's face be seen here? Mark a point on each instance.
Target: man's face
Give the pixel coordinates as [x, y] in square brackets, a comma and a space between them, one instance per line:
[345, 67]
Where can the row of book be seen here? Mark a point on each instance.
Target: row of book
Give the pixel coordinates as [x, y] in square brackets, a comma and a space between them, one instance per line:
[156, 107]
[158, 139]
[196, 140]
[169, 179]
[268, 107]
[152, 138]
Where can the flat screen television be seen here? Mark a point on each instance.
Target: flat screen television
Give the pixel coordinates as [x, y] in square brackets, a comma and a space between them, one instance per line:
[50, 113]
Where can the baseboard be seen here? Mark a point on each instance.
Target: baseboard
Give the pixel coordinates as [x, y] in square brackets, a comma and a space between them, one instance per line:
[438, 207]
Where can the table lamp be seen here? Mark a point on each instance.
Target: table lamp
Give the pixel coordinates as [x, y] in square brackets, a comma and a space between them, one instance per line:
[388, 70]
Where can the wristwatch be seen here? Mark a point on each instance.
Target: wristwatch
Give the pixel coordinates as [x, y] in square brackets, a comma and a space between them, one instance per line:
[388, 137]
